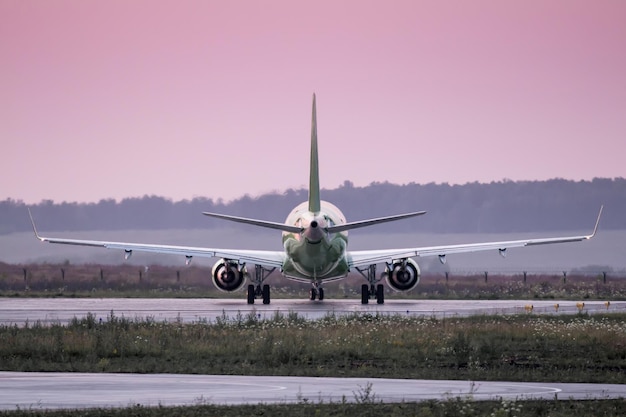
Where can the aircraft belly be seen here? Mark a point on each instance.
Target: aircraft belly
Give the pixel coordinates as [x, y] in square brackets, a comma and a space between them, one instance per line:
[315, 261]
[295, 271]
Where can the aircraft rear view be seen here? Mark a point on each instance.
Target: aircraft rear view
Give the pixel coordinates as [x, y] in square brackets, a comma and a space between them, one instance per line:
[315, 242]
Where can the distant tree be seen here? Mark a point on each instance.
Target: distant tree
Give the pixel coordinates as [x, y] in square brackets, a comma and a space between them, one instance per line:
[500, 206]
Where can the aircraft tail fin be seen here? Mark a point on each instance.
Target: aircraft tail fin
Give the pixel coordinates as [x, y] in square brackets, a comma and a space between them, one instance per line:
[314, 177]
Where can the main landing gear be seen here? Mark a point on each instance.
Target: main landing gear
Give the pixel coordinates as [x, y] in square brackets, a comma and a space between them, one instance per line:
[374, 289]
[258, 289]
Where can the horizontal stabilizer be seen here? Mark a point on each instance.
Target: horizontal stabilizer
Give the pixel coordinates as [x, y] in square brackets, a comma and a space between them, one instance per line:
[255, 222]
[363, 223]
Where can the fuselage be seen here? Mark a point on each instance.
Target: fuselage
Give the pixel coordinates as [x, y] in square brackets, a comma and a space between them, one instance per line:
[314, 254]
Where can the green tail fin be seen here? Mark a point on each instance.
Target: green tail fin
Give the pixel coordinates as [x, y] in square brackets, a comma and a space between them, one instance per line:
[314, 175]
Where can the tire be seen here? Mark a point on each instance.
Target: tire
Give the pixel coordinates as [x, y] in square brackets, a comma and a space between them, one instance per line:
[312, 294]
[380, 294]
[266, 294]
[251, 294]
[320, 295]
[365, 294]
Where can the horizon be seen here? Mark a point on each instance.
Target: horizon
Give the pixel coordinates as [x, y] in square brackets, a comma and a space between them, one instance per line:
[301, 189]
[213, 100]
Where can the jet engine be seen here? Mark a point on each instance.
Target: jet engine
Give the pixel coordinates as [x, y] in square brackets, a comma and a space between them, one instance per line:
[402, 274]
[228, 275]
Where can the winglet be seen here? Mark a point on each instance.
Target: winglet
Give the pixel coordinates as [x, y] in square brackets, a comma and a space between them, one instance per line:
[595, 228]
[314, 176]
[33, 223]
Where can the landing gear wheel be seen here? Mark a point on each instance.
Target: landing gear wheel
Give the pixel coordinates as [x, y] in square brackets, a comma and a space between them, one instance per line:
[372, 290]
[312, 294]
[257, 289]
[320, 295]
[251, 294]
[380, 294]
[365, 294]
[266, 294]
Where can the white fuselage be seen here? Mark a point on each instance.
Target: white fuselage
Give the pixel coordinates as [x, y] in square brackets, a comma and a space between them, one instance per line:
[314, 254]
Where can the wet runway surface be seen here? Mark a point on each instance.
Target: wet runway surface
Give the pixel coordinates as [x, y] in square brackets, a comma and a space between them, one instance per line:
[73, 390]
[62, 310]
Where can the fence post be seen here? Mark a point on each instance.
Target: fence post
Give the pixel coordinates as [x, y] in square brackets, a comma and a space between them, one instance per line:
[486, 276]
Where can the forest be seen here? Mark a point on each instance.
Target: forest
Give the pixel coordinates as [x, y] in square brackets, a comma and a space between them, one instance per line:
[496, 207]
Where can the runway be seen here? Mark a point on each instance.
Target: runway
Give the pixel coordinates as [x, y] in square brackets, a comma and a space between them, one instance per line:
[73, 390]
[62, 310]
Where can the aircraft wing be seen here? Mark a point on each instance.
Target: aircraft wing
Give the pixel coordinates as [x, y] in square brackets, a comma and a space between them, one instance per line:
[369, 257]
[259, 257]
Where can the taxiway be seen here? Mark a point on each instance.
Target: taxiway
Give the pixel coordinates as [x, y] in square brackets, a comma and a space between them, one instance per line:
[73, 390]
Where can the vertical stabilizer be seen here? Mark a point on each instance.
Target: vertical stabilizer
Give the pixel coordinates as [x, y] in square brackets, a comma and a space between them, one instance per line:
[314, 175]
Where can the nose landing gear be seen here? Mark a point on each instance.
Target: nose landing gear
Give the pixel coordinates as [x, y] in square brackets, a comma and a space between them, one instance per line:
[316, 292]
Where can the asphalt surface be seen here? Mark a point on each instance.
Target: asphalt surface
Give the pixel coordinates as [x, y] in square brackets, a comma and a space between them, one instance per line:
[61, 310]
[73, 390]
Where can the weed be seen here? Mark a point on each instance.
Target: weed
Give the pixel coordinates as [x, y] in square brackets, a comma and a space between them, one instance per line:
[365, 394]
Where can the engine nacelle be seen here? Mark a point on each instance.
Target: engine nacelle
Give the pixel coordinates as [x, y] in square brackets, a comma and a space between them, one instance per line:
[228, 275]
[402, 274]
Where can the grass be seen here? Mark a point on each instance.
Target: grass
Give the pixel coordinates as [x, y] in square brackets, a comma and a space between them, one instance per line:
[451, 407]
[517, 348]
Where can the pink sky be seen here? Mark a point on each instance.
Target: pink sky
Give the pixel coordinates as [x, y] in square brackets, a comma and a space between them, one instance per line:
[213, 98]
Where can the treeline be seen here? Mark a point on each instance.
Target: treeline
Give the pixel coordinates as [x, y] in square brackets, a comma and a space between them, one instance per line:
[496, 207]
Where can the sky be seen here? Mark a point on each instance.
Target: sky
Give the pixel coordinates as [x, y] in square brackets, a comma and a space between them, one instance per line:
[185, 99]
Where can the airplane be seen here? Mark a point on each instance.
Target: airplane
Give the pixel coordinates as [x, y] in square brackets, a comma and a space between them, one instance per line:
[315, 241]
